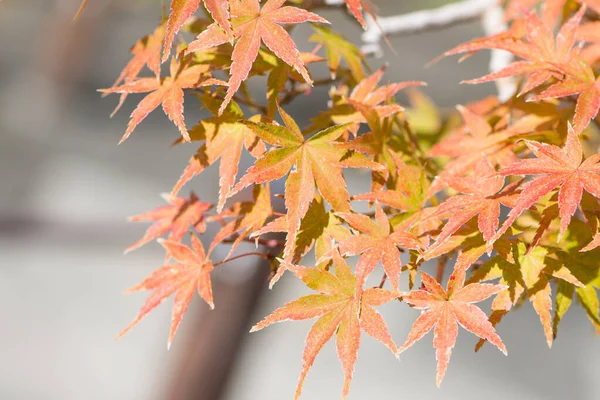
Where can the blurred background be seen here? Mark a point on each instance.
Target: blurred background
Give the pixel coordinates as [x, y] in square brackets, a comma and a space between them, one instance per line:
[65, 192]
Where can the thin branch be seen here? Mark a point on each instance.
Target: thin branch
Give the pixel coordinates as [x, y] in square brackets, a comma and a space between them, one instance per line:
[271, 243]
[267, 257]
[441, 267]
[383, 279]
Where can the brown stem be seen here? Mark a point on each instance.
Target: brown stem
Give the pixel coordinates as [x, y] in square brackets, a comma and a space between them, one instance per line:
[272, 243]
[439, 275]
[267, 257]
[383, 279]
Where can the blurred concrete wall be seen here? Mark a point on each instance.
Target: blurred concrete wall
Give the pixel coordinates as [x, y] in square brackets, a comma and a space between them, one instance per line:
[65, 189]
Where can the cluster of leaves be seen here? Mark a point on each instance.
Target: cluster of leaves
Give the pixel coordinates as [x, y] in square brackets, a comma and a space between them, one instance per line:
[440, 182]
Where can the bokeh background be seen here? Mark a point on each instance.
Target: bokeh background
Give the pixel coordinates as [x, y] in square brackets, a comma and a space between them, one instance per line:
[66, 189]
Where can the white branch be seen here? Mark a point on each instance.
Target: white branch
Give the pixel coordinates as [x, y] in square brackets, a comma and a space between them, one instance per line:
[489, 12]
[418, 21]
[493, 22]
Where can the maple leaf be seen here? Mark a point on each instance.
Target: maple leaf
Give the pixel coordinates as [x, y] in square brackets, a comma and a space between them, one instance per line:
[443, 309]
[356, 7]
[562, 168]
[376, 243]
[168, 92]
[146, 52]
[337, 49]
[551, 9]
[480, 197]
[588, 101]
[542, 52]
[175, 219]
[366, 101]
[342, 309]
[318, 160]
[586, 270]
[319, 229]
[280, 77]
[248, 217]
[191, 272]
[407, 193]
[476, 140]
[546, 58]
[182, 10]
[224, 138]
[527, 275]
[251, 26]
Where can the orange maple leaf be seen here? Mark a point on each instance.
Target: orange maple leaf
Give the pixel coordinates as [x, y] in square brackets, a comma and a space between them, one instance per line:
[342, 308]
[480, 197]
[377, 243]
[182, 10]
[318, 160]
[545, 57]
[476, 140]
[251, 26]
[532, 40]
[224, 138]
[551, 9]
[175, 219]
[146, 52]
[191, 272]
[168, 92]
[357, 6]
[247, 216]
[562, 168]
[526, 275]
[444, 310]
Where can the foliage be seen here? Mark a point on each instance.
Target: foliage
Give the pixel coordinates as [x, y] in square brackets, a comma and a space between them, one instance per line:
[509, 189]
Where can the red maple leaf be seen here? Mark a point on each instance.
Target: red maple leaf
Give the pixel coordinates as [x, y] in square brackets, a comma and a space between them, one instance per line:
[175, 219]
[168, 92]
[376, 243]
[342, 309]
[191, 272]
[562, 168]
[444, 310]
[251, 26]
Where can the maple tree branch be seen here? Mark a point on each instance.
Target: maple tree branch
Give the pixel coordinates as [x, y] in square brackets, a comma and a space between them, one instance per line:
[267, 257]
[490, 12]
[272, 243]
[441, 267]
[423, 20]
[383, 279]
